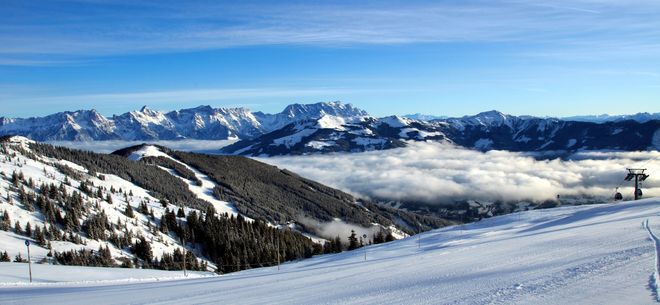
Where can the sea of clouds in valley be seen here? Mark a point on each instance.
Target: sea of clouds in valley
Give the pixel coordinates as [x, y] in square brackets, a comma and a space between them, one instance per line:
[443, 173]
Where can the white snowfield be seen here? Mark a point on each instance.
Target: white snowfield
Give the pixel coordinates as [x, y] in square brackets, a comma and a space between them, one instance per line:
[16, 274]
[598, 254]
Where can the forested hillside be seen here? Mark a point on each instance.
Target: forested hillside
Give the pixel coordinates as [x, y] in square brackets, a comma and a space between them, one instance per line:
[83, 208]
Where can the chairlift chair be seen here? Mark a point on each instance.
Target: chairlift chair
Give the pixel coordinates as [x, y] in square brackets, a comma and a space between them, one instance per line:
[617, 194]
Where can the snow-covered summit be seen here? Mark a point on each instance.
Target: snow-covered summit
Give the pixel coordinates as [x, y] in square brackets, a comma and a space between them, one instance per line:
[202, 122]
[301, 112]
[147, 151]
[395, 121]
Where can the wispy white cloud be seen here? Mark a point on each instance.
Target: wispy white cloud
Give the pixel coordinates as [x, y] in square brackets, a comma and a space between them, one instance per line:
[93, 28]
[439, 173]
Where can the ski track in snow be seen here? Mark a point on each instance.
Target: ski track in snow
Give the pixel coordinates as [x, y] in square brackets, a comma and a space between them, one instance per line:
[654, 279]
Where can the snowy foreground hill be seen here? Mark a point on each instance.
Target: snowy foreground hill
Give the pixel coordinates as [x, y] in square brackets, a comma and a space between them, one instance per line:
[598, 254]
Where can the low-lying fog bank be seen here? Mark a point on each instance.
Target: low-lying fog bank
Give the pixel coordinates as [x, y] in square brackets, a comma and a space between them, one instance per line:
[438, 173]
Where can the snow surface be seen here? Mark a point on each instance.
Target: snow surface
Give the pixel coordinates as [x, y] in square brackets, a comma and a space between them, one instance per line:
[421, 134]
[147, 151]
[331, 122]
[320, 144]
[16, 274]
[598, 254]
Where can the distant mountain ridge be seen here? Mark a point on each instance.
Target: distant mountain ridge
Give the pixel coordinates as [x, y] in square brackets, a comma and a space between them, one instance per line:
[641, 117]
[484, 131]
[203, 122]
[339, 127]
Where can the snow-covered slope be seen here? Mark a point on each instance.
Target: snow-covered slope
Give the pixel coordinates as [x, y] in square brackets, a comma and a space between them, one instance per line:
[115, 195]
[14, 274]
[203, 190]
[598, 254]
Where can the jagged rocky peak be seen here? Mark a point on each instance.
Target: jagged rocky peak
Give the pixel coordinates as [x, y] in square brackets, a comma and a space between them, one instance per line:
[336, 108]
[148, 112]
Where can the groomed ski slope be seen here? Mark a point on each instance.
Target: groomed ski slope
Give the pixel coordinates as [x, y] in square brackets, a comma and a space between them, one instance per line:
[598, 254]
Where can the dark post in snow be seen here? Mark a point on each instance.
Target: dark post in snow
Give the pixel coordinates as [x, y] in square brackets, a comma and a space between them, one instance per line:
[639, 175]
[183, 243]
[27, 244]
[365, 246]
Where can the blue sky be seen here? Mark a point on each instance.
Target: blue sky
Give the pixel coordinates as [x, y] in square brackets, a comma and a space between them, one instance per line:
[546, 58]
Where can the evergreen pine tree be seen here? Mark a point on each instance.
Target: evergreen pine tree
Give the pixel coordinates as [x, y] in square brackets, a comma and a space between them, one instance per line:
[17, 228]
[18, 258]
[353, 241]
[5, 224]
[5, 257]
[129, 211]
[28, 230]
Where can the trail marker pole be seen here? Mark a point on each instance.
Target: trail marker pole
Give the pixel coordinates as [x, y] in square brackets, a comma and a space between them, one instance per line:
[183, 243]
[27, 244]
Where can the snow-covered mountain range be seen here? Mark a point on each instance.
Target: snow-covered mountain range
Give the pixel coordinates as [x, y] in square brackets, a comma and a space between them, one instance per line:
[641, 117]
[484, 131]
[339, 127]
[203, 122]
